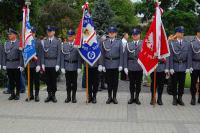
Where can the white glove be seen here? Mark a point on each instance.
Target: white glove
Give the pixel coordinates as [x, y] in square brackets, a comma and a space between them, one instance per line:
[63, 70]
[0, 67]
[21, 69]
[126, 71]
[4, 67]
[78, 70]
[120, 68]
[171, 71]
[191, 70]
[37, 69]
[57, 68]
[43, 67]
[100, 68]
[104, 69]
[187, 71]
[166, 71]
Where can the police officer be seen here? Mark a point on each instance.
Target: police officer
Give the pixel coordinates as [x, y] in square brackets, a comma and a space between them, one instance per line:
[50, 59]
[35, 68]
[131, 66]
[70, 66]
[112, 53]
[13, 63]
[162, 71]
[179, 64]
[195, 65]
[93, 80]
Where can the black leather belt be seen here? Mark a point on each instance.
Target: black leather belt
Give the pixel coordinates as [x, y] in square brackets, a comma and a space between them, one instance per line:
[131, 59]
[179, 61]
[12, 60]
[71, 61]
[51, 58]
[196, 60]
[115, 58]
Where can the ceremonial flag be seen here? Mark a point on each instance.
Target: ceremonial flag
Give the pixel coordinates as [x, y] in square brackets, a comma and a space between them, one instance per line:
[155, 45]
[28, 42]
[86, 39]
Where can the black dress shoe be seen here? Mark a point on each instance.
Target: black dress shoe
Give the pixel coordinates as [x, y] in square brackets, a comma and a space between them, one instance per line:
[48, 99]
[115, 101]
[137, 101]
[54, 100]
[67, 100]
[131, 101]
[159, 102]
[12, 97]
[74, 100]
[180, 101]
[17, 97]
[94, 100]
[37, 99]
[90, 99]
[31, 98]
[109, 100]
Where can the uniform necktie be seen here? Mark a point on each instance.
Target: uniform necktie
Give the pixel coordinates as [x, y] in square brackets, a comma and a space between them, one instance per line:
[135, 44]
[12, 43]
[180, 43]
[50, 41]
[111, 41]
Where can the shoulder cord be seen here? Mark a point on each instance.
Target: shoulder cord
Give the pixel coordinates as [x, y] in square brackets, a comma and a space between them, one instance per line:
[105, 47]
[174, 50]
[196, 52]
[45, 50]
[62, 49]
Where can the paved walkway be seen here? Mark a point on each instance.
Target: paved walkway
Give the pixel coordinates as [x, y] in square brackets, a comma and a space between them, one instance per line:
[23, 117]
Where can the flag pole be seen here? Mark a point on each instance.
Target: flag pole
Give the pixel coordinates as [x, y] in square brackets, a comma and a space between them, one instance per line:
[27, 3]
[87, 85]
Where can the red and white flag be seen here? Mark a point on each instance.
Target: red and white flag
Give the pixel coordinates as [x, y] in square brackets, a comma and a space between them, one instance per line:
[155, 45]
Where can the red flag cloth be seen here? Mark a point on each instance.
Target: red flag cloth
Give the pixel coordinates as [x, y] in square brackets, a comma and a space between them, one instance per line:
[155, 45]
[78, 38]
[20, 41]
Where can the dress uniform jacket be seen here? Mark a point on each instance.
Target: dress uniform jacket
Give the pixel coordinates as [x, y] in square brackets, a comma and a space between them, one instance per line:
[70, 58]
[38, 48]
[163, 65]
[12, 55]
[179, 58]
[194, 60]
[131, 56]
[50, 56]
[112, 54]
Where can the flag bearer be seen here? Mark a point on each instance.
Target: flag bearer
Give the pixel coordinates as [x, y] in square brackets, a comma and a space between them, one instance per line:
[161, 71]
[13, 63]
[195, 65]
[50, 59]
[70, 66]
[179, 64]
[35, 69]
[131, 66]
[112, 53]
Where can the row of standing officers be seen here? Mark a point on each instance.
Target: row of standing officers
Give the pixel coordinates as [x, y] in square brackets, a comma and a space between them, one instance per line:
[117, 55]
